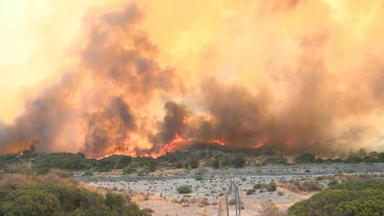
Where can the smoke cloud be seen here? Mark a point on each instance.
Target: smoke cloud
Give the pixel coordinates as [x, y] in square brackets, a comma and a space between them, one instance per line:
[290, 75]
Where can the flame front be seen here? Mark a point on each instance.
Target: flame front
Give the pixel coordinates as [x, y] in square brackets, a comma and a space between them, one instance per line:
[172, 146]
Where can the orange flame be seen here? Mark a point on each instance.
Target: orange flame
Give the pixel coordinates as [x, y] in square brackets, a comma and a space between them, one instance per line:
[168, 147]
[259, 144]
[217, 141]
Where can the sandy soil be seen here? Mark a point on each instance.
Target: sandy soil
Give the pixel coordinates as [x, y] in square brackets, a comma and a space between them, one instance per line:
[157, 191]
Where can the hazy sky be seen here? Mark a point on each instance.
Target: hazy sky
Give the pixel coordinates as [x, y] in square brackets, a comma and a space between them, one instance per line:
[35, 36]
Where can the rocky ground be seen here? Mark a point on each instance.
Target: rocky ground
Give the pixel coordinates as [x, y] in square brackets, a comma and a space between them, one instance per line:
[158, 190]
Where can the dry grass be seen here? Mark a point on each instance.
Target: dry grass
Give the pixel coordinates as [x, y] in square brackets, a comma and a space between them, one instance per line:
[292, 187]
[22, 168]
[270, 209]
[14, 181]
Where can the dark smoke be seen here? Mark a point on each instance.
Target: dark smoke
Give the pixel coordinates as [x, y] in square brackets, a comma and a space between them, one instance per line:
[174, 122]
[108, 130]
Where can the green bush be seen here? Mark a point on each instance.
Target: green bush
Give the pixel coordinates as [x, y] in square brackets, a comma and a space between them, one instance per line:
[65, 161]
[353, 159]
[131, 168]
[42, 200]
[250, 191]
[275, 160]
[185, 189]
[88, 173]
[193, 163]
[123, 162]
[30, 202]
[178, 165]
[216, 164]
[238, 162]
[258, 186]
[347, 199]
[199, 178]
[305, 158]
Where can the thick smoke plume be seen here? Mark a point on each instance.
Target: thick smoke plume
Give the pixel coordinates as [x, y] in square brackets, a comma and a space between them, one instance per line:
[290, 75]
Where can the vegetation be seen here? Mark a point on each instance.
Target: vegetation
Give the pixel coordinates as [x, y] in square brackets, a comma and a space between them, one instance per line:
[185, 189]
[216, 158]
[305, 158]
[25, 192]
[250, 191]
[238, 162]
[49, 199]
[268, 208]
[350, 198]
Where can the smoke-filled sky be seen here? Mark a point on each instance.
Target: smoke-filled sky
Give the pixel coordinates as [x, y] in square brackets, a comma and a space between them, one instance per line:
[141, 76]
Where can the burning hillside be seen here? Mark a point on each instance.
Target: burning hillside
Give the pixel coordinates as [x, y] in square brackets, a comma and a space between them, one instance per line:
[290, 75]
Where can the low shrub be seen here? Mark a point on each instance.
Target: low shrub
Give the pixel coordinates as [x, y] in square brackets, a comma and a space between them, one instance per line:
[353, 159]
[350, 198]
[238, 162]
[271, 187]
[250, 191]
[49, 199]
[268, 208]
[258, 186]
[305, 158]
[185, 189]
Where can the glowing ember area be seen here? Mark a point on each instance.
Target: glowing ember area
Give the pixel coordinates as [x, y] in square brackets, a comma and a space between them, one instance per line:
[219, 142]
[172, 146]
[259, 145]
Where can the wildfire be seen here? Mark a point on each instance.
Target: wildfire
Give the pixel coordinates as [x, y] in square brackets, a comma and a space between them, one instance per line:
[168, 147]
[171, 146]
[259, 144]
[217, 141]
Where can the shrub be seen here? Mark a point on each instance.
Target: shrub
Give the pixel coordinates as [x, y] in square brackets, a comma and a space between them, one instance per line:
[350, 198]
[216, 164]
[30, 202]
[226, 161]
[311, 186]
[238, 162]
[199, 178]
[185, 189]
[123, 162]
[193, 163]
[381, 156]
[270, 209]
[370, 159]
[88, 173]
[131, 168]
[49, 199]
[65, 161]
[338, 160]
[271, 187]
[13, 181]
[114, 201]
[305, 158]
[250, 191]
[353, 159]
[258, 186]
[275, 160]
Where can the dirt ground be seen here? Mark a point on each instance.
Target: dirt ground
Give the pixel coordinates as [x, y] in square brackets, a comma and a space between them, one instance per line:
[158, 191]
